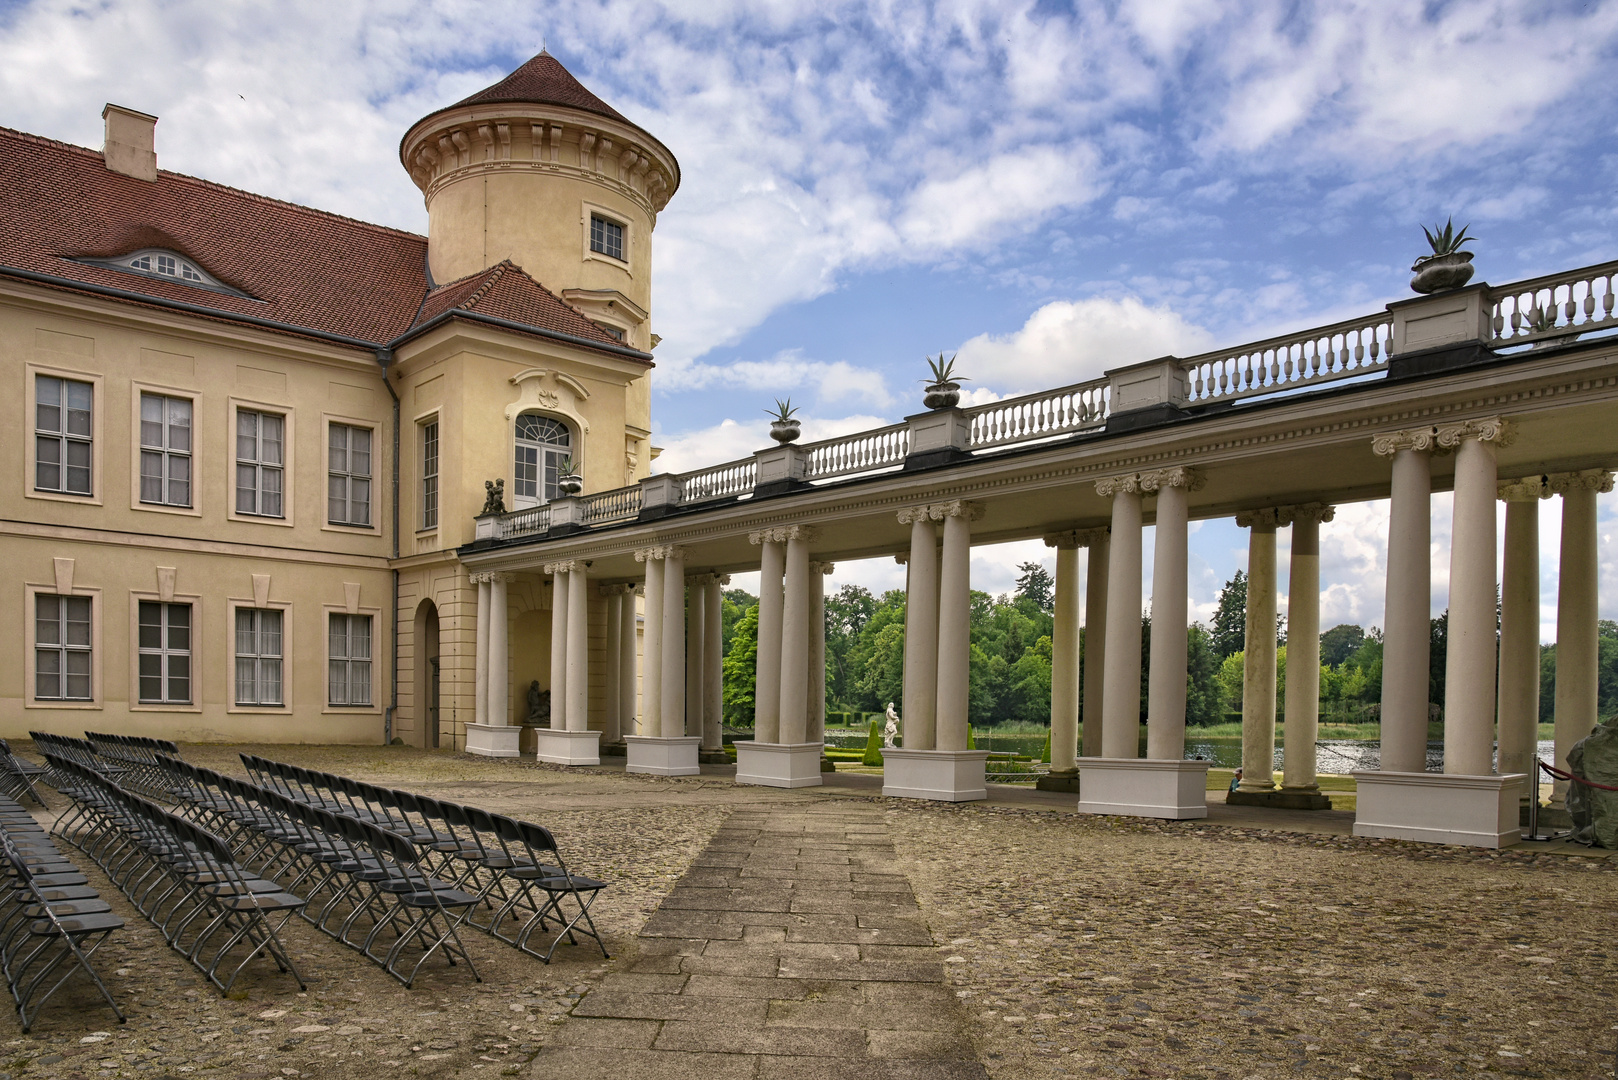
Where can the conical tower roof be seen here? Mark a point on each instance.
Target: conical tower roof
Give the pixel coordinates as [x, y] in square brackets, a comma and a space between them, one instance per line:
[543, 81]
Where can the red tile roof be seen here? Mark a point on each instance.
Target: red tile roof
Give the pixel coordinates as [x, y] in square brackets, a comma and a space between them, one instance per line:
[543, 81]
[301, 266]
[505, 292]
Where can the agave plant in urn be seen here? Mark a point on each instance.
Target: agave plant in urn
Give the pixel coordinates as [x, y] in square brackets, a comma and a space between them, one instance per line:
[1448, 267]
[568, 480]
[944, 389]
[784, 428]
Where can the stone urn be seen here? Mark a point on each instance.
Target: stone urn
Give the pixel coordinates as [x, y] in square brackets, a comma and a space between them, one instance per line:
[785, 431]
[942, 395]
[1436, 273]
[570, 483]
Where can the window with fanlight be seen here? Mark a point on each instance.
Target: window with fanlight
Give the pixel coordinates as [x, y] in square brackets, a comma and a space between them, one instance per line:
[544, 445]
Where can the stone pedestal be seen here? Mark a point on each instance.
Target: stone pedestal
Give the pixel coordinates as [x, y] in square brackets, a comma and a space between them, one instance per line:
[1284, 799]
[567, 747]
[1144, 787]
[676, 756]
[615, 749]
[713, 757]
[1059, 781]
[945, 775]
[493, 740]
[785, 765]
[1439, 808]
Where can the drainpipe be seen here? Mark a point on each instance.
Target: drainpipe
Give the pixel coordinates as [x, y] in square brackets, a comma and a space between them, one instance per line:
[384, 357]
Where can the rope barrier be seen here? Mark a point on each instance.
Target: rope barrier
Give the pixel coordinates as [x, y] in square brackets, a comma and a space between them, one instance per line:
[1560, 775]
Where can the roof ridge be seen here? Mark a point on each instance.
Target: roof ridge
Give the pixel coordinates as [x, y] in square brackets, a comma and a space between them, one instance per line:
[96, 155]
[490, 277]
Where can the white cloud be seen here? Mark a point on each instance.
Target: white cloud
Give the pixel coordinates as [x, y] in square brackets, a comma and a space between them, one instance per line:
[782, 374]
[732, 440]
[1069, 341]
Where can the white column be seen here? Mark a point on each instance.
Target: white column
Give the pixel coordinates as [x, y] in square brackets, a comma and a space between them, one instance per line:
[559, 572]
[1095, 640]
[1519, 628]
[1258, 670]
[1577, 631]
[696, 639]
[920, 716]
[1302, 723]
[817, 651]
[1469, 667]
[1407, 632]
[615, 617]
[1120, 693]
[651, 683]
[955, 625]
[578, 649]
[1065, 657]
[1165, 694]
[629, 685]
[767, 684]
[499, 690]
[673, 644]
[795, 639]
[480, 710]
[713, 676]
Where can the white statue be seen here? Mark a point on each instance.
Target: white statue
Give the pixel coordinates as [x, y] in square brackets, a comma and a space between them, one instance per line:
[891, 731]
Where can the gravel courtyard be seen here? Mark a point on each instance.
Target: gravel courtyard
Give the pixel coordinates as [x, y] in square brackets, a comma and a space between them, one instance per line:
[1076, 947]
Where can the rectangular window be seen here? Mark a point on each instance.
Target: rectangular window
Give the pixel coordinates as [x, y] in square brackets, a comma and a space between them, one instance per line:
[260, 459]
[258, 657]
[429, 475]
[165, 653]
[61, 647]
[165, 450]
[348, 678]
[607, 237]
[62, 415]
[348, 475]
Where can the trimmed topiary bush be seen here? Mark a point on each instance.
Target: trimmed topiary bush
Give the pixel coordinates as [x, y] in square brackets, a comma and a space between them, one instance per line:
[1045, 754]
[873, 747]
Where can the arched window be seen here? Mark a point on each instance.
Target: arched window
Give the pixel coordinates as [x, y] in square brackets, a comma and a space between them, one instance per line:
[542, 444]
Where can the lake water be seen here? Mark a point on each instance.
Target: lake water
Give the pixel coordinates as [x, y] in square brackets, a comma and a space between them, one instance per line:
[1331, 755]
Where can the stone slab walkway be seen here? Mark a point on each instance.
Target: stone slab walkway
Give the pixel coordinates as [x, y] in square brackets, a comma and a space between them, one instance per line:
[792, 949]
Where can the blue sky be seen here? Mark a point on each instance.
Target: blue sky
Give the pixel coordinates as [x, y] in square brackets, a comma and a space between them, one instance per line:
[1049, 189]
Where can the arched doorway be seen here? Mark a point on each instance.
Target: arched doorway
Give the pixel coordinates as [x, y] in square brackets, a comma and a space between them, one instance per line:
[543, 444]
[427, 715]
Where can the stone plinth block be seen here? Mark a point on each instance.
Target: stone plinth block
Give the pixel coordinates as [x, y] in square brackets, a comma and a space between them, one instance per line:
[945, 775]
[786, 765]
[1144, 787]
[493, 740]
[567, 747]
[663, 757]
[1059, 781]
[1439, 808]
[1281, 799]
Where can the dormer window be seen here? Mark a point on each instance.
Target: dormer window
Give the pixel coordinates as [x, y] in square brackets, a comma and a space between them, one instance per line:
[154, 262]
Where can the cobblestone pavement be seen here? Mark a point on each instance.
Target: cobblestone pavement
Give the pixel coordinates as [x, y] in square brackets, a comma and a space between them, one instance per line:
[791, 950]
[1076, 946]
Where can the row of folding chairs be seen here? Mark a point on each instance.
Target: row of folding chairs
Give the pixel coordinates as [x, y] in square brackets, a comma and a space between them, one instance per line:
[366, 887]
[17, 776]
[515, 868]
[81, 752]
[51, 920]
[209, 907]
[138, 755]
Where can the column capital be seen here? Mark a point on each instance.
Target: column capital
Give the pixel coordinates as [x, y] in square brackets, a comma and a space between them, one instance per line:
[911, 514]
[1267, 518]
[616, 590]
[971, 511]
[780, 534]
[1078, 538]
[1316, 512]
[822, 567]
[562, 567]
[1177, 476]
[1388, 443]
[490, 577]
[707, 577]
[1528, 489]
[658, 551]
[1493, 429]
[1112, 485]
[1583, 480]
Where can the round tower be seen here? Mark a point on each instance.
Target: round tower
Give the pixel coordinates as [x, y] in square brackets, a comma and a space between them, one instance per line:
[538, 170]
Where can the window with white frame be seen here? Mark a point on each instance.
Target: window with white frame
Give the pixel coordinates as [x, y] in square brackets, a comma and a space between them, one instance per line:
[260, 463]
[543, 446]
[606, 237]
[61, 647]
[165, 653]
[429, 475]
[165, 450]
[258, 657]
[348, 667]
[348, 475]
[63, 411]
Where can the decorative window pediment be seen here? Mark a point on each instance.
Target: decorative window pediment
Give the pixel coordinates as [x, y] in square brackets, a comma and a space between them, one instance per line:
[168, 266]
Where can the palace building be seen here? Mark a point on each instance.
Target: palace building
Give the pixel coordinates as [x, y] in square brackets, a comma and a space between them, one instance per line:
[249, 436]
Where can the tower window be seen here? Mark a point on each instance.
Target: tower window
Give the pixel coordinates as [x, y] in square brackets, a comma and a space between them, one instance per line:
[607, 237]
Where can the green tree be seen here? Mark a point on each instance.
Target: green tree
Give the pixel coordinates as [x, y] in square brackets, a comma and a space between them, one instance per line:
[1437, 659]
[1202, 698]
[882, 679]
[848, 610]
[1229, 630]
[739, 671]
[1229, 679]
[1036, 584]
[733, 604]
[1030, 684]
[1339, 643]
